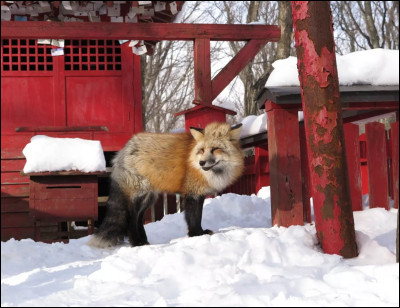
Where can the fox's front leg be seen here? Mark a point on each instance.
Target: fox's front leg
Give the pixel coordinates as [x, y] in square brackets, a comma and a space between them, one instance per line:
[193, 212]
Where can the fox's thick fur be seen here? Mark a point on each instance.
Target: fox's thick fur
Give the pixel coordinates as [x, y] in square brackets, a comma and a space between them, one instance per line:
[195, 165]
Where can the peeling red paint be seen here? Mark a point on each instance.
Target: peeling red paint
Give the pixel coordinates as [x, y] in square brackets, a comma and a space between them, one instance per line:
[324, 127]
[299, 11]
[318, 67]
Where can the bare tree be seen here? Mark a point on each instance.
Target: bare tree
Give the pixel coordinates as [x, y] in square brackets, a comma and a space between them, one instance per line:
[361, 25]
[285, 21]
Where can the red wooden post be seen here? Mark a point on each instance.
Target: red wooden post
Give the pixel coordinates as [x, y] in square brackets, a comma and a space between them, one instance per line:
[305, 176]
[395, 163]
[363, 161]
[284, 166]
[389, 151]
[315, 49]
[261, 166]
[351, 133]
[377, 165]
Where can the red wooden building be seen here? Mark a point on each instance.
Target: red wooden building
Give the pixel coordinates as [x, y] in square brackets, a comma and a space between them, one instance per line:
[93, 89]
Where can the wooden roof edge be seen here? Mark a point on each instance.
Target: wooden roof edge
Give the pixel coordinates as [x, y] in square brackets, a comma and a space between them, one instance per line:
[204, 106]
[352, 93]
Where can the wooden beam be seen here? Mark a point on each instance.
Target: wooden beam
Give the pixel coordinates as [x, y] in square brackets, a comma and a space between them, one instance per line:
[236, 65]
[138, 31]
[202, 71]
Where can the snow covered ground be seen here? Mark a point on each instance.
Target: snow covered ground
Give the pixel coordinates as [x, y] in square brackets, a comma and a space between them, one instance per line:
[247, 262]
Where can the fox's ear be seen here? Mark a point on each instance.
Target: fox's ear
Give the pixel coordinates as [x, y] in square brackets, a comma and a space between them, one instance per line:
[197, 133]
[235, 132]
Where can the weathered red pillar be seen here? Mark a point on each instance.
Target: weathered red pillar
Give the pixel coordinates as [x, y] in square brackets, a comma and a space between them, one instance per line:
[315, 49]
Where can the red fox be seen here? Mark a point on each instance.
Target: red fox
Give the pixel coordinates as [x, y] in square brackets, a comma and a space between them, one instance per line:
[194, 165]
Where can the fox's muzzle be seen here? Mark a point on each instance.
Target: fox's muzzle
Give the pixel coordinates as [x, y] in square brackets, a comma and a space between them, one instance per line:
[207, 165]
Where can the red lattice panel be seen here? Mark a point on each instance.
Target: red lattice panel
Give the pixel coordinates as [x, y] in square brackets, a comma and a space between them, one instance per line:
[92, 55]
[25, 55]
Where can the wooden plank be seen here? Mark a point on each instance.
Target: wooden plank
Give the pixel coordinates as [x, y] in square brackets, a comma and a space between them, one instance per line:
[285, 168]
[395, 162]
[20, 220]
[61, 129]
[17, 233]
[15, 190]
[14, 205]
[8, 165]
[64, 209]
[12, 145]
[139, 31]
[13, 178]
[377, 165]
[72, 191]
[351, 133]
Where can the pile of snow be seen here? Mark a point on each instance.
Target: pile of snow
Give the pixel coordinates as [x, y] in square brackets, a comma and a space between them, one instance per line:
[45, 153]
[374, 67]
[247, 262]
[253, 125]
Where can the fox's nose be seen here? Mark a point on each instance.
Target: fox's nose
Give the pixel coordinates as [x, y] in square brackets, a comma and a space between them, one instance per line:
[202, 163]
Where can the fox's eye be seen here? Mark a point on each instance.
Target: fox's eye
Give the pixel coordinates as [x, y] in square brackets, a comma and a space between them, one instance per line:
[216, 150]
[201, 151]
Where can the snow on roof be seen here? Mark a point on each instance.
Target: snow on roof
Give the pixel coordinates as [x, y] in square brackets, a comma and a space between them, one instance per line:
[374, 66]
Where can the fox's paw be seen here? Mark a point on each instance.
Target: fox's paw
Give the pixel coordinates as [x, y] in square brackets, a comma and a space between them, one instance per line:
[139, 243]
[97, 241]
[200, 232]
[206, 231]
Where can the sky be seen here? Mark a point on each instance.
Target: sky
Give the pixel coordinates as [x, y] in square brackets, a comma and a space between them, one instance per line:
[246, 262]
